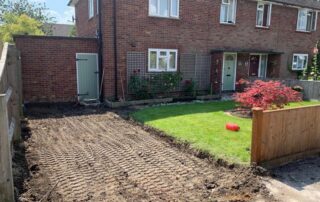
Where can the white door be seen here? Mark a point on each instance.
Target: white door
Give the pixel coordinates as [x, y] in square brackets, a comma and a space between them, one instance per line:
[87, 76]
[229, 71]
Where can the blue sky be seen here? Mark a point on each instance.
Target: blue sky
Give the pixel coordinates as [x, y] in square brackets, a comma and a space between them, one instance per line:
[58, 9]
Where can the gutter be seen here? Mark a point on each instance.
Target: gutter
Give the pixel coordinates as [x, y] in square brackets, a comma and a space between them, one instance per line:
[115, 49]
[100, 52]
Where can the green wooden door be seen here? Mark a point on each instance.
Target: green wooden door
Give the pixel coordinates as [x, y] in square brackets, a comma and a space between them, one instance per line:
[87, 76]
[229, 71]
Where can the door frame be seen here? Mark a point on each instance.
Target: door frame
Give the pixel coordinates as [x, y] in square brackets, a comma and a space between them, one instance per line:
[77, 67]
[259, 70]
[235, 68]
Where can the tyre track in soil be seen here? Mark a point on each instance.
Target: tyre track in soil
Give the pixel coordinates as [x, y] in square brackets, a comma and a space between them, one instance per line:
[103, 157]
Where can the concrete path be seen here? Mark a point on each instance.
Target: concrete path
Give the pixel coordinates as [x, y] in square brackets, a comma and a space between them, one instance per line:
[297, 182]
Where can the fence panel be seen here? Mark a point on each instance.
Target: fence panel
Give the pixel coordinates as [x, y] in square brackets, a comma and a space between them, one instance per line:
[280, 136]
[10, 116]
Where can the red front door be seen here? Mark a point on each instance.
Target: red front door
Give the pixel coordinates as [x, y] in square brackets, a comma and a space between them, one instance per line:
[254, 65]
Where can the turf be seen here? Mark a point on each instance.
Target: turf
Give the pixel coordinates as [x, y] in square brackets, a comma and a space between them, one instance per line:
[203, 126]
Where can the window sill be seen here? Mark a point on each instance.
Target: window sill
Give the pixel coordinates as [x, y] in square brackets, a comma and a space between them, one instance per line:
[262, 27]
[228, 24]
[305, 32]
[163, 17]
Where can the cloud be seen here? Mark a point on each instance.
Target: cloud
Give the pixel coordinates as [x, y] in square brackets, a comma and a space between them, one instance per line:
[62, 18]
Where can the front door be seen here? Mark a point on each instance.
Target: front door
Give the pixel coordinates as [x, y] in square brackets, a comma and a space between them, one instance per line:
[229, 71]
[87, 76]
[254, 65]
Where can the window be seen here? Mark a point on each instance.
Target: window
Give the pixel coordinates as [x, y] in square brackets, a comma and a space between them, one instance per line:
[161, 60]
[164, 8]
[307, 20]
[90, 8]
[228, 11]
[98, 1]
[300, 61]
[263, 14]
[263, 66]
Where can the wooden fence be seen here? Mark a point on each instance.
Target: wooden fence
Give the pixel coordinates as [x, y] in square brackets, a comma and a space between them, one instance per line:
[10, 116]
[281, 136]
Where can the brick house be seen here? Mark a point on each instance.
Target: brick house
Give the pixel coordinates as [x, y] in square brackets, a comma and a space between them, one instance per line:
[213, 42]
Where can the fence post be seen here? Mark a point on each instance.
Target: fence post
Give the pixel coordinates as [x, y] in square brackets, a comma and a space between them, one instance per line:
[6, 179]
[256, 135]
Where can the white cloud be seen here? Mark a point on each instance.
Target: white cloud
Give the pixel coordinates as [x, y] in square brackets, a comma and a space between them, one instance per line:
[62, 18]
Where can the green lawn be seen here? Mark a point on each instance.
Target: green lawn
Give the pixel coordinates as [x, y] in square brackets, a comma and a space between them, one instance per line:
[203, 125]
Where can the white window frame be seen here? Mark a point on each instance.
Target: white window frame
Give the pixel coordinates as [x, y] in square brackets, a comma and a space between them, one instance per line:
[269, 14]
[170, 11]
[298, 20]
[234, 14]
[299, 55]
[157, 60]
[97, 1]
[91, 8]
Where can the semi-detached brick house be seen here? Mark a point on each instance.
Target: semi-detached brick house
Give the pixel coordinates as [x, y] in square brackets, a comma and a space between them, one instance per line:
[214, 42]
[244, 38]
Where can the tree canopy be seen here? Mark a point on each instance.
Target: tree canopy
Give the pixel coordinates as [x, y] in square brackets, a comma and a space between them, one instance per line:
[34, 10]
[18, 25]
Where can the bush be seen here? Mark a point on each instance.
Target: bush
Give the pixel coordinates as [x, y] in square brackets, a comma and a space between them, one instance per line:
[139, 87]
[267, 95]
[189, 87]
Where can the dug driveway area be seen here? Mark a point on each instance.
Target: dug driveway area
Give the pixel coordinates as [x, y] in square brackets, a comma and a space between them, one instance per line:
[78, 154]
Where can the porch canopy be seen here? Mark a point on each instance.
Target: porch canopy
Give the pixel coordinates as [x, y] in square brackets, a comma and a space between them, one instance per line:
[235, 50]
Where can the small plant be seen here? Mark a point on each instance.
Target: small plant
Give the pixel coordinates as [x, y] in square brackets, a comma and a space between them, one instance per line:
[165, 82]
[189, 87]
[139, 86]
[267, 95]
[242, 84]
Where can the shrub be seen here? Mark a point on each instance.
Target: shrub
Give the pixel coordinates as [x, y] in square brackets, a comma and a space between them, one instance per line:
[189, 87]
[242, 84]
[267, 95]
[139, 87]
[164, 82]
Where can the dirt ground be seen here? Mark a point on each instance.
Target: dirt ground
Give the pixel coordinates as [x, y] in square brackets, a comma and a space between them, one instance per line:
[86, 154]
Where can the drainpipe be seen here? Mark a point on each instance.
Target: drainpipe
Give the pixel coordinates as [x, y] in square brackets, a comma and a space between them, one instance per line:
[115, 49]
[100, 53]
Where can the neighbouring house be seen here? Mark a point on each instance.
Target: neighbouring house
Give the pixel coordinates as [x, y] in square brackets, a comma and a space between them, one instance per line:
[59, 29]
[213, 42]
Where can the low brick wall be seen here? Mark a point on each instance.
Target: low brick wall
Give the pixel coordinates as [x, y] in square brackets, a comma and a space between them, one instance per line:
[49, 66]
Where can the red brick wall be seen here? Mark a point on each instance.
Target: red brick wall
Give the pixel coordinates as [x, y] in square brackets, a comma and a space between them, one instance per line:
[49, 66]
[85, 26]
[198, 31]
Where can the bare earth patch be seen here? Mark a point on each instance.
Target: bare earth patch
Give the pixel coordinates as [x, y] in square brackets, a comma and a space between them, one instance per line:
[78, 154]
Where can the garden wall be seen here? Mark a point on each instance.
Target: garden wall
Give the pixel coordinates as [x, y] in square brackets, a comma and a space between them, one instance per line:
[281, 136]
[49, 66]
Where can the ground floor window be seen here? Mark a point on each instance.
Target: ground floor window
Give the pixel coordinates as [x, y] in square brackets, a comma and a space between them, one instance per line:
[258, 65]
[162, 60]
[300, 61]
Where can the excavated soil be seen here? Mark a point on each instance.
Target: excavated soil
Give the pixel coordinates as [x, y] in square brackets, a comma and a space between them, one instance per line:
[88, 154]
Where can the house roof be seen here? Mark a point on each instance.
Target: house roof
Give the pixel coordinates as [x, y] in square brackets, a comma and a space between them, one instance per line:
[59, 29]
[301, 3]
[72, 2]
[315, 4]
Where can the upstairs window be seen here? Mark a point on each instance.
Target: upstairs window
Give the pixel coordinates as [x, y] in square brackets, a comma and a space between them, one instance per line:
[164, 8]
[263, 14]
[300, 61]
[307, 20]
[90, 8]
[228, 11]
[162, 60]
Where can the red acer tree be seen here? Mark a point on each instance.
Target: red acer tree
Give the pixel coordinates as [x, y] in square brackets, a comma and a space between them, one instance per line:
[267, 95]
